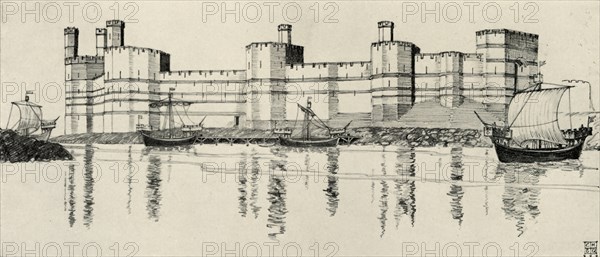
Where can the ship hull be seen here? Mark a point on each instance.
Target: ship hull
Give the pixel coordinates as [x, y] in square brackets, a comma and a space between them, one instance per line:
[325, 142]
[167, 142]
[44, 136]
[521, 155]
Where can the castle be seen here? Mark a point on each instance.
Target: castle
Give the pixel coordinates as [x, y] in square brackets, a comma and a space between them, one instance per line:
[111, 90]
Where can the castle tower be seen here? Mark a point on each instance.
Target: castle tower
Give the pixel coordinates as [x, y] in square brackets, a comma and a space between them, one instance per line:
[392, 79]
[100, 41]
[285, 32]
[266, 75]
[386, 30]
[71, 42]
[115, 33]
[509, 63]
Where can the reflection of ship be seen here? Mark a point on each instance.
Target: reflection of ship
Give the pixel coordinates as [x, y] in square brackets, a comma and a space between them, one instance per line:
[306, 140]
[332, 191]
[31, 120]
[153, 191]
[169, 140]
[521, 197]
[532, 133]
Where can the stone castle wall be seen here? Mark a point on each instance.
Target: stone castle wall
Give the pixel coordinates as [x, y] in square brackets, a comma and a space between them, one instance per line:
[111, 91]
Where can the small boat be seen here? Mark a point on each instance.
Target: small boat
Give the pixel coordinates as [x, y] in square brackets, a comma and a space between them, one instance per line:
[31, 120]
[169, 140]
[532, 132]
[307, 140]
[315, 142]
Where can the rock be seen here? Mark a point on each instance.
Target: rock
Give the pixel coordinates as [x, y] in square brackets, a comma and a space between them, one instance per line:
[17, 148]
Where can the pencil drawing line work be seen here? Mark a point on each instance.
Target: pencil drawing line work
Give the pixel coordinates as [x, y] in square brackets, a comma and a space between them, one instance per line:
[110, 91]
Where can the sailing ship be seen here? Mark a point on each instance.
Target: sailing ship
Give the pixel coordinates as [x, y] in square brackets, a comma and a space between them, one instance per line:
[307, 141]
[31, 120]
[532, 133]
[170, 140]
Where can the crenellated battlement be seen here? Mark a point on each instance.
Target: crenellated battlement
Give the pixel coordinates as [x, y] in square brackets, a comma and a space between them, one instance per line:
[324, 64]
[100, 31]
[204, 75]
[71, 30]
[284, 27]
[385, 24]
[115, 23]
[422, 56]
[393, 43]
[523, 35]
[473, 55]
[84, 59]
[134, 48]
[268, 44]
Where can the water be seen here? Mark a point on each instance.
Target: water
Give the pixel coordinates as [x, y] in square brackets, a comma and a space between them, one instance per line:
[357, 200]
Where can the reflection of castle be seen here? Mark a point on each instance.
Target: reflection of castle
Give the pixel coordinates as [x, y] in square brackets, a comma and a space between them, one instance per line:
[110, 91]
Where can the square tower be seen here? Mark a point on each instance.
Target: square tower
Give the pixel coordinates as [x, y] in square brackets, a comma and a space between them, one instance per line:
[115, 33]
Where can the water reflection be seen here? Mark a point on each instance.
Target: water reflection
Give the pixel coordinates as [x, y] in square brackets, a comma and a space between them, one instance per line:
[277, 194]
[405, 188]
[130, 173]
[71, 189]
[332, 190]
[456, 191]
[392, 176]
[88, 187]
[254, 178]
[242, 180]
[153, 192]
[520, 200]
[383, 201]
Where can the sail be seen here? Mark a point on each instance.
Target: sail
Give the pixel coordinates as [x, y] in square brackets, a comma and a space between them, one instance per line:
[31, 115]
[534, 115]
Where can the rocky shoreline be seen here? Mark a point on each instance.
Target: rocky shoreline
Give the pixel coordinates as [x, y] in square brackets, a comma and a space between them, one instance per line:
[421, 137]
[409, 137]
[16, 148]
[417, 137]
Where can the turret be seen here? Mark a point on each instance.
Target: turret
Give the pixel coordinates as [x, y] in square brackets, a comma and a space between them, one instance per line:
[285, 32]
[386, 31]
[71, 42]
[100, 41]
[115, 33]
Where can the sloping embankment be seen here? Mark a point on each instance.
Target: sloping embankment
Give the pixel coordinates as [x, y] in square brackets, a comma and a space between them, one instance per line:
[367, 135]
[16, 148]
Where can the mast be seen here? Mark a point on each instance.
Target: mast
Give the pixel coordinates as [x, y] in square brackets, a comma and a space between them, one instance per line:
[570, 113]
[307, 118]
[170, 112]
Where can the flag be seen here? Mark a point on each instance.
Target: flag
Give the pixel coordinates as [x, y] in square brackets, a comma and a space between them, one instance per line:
[541, 63]
[591, 119]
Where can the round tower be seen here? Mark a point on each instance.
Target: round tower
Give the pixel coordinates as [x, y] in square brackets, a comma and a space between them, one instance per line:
[100, 41]
[115, 33]
[71, 42]
[386, 31]
[285, 32]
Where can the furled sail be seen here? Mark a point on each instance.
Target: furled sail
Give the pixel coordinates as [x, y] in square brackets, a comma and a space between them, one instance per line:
[534, 115]
[31, 115]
